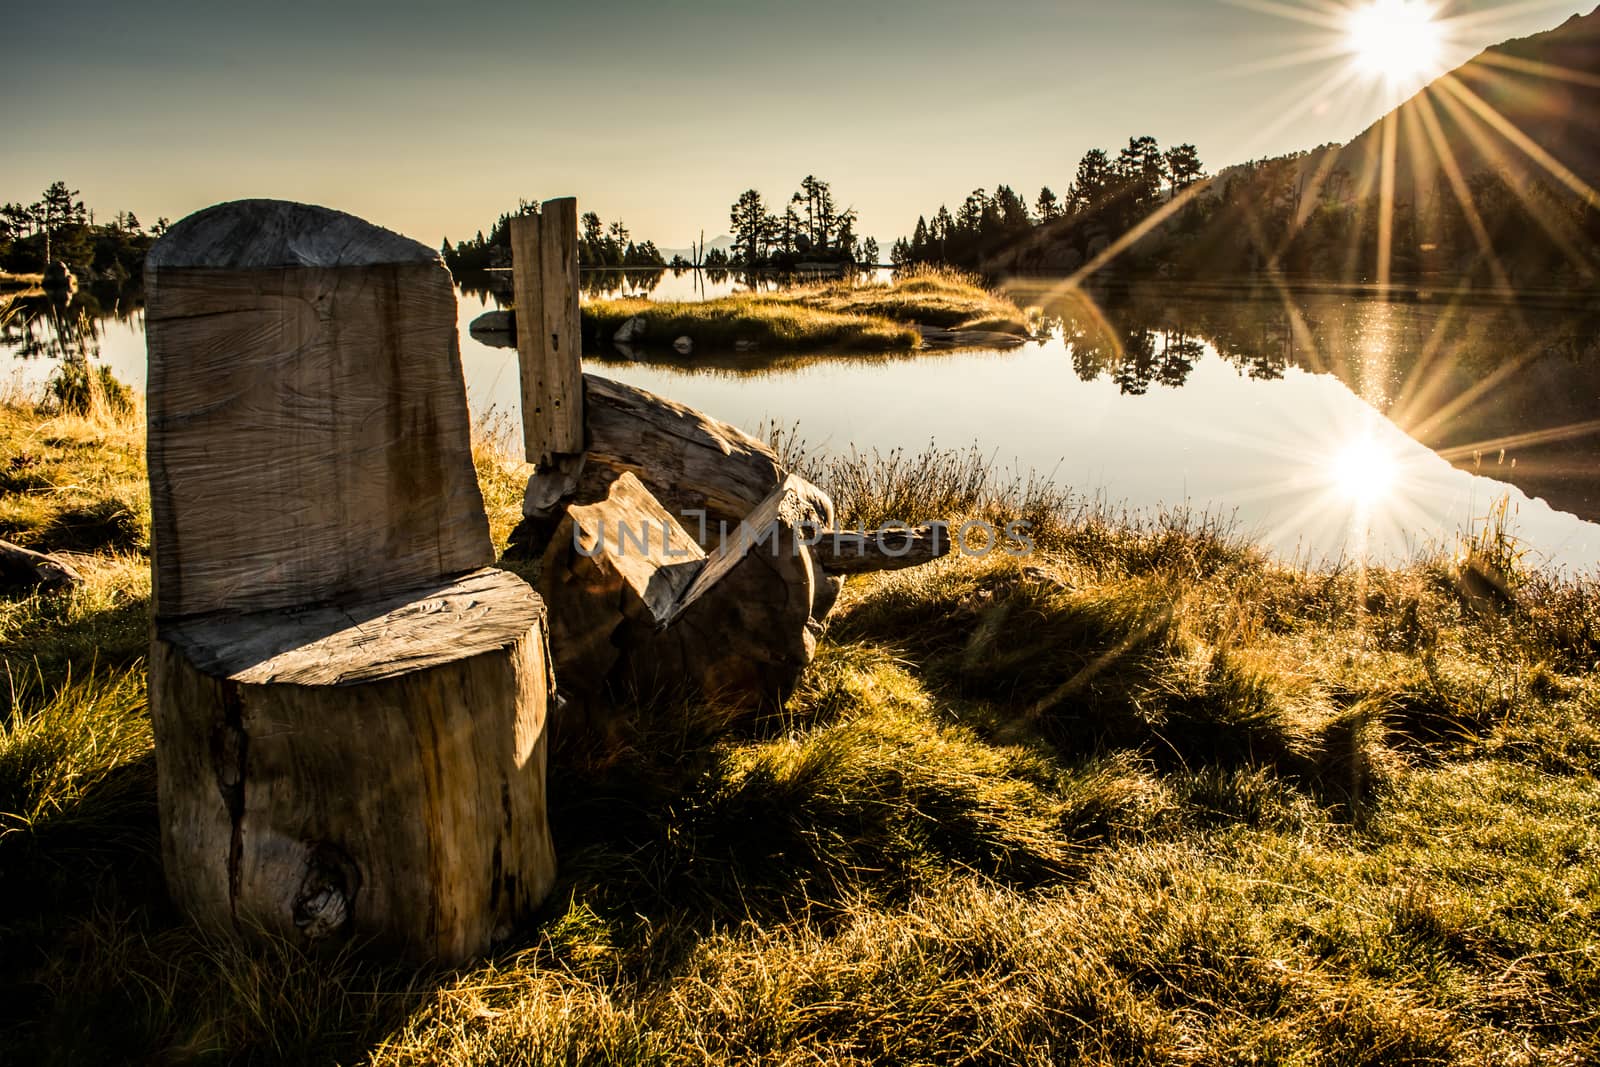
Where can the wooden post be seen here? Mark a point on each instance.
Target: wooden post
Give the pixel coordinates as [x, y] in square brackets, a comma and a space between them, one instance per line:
[349, 707]
[544, 265]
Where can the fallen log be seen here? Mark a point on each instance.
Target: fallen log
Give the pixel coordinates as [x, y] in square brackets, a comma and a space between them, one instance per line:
[691, 462]
[22, 568]
[847, 552]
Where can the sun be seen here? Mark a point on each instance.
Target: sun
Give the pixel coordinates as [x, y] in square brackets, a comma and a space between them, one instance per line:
[1396, 40]
[1363, 471]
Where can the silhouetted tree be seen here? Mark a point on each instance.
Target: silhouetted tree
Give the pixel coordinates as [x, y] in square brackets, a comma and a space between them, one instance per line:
[1183, 167]
[1094, 179]
[1047, 205]
[748, 217]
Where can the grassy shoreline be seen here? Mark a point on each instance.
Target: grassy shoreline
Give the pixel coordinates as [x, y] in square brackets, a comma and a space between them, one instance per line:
[825, 316]
[1145, 796]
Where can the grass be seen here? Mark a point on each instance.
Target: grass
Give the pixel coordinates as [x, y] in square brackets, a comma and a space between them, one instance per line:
[842, 316]
[1144, 796]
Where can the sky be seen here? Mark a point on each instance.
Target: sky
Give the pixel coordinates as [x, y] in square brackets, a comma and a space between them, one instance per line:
[432, 117]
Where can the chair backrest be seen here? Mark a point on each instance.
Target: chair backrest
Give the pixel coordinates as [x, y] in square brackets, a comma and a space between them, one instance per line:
[308, 430]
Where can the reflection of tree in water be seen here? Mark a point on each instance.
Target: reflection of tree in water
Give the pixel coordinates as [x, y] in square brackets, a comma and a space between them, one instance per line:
[1509, 389]
[1131, 350]
[64, 327]
[1147, 336]
[613, 284]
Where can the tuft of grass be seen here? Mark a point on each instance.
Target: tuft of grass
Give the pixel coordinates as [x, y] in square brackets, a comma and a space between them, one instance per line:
[837, 316]
[928, 295]
[759, 319]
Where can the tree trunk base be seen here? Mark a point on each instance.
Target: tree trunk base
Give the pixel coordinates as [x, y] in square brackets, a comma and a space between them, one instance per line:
[371, 772]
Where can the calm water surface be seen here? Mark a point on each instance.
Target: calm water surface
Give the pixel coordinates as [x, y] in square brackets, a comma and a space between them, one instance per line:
[1305, 419]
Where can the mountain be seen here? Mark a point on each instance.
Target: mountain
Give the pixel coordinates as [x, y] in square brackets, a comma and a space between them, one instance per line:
[724, 242]
[1529, 108]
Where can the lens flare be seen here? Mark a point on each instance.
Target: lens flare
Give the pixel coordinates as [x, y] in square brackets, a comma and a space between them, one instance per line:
[1363, 471]
[1396, 40]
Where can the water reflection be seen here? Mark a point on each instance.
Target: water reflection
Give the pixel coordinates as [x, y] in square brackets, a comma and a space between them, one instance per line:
[493, 287]
[67, 327]
[1255, 403]
[1510, 389]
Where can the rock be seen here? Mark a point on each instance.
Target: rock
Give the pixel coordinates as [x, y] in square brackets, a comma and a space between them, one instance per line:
[683, 345]
[497, 329]
[631, 331]
[745, 346]
[494, 322]
[58, 275]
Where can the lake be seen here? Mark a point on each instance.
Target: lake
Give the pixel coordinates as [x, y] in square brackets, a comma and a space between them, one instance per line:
[1324, 424]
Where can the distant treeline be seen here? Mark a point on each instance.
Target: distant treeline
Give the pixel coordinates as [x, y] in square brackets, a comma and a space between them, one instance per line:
[1297, 214]
[811, 229]
[59, 228]
[599, 245]
[1108, 195]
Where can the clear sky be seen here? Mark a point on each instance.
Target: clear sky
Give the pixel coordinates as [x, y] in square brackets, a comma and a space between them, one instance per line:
[433, 116]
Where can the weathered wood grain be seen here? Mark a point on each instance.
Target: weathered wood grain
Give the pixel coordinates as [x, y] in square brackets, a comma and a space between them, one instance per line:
[644, 618]
[688, 460]
[349, 708]
[792, 506]
[309, 434]
[356, 640]
[544, 265]
[618, 557]
[406, 812]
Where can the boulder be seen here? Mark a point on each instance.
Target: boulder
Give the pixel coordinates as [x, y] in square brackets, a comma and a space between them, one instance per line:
[683, 346]
[630, 332]
[58, 275]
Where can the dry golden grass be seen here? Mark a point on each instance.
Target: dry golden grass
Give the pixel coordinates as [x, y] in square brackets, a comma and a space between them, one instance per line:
[827, 317]
[1144, 797]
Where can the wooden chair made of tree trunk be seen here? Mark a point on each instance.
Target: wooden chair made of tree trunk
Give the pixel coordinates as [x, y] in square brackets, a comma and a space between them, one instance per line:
[349, 703]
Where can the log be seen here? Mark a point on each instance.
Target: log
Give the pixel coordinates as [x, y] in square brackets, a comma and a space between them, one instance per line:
[370, 771]
[544, 263]
[22, 568]
[744, 631]
[621, 555]
[309, 434]
[349, 708]
[642, 615]
[845, 552]
[689, 461]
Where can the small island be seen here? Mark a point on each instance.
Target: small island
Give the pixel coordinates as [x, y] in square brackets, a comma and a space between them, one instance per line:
[924, 309]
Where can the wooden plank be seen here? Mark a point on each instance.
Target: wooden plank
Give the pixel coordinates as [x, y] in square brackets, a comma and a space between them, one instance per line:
[527, 292]
[789, 507]
[846, 552]
[563, 336]
[544, 263]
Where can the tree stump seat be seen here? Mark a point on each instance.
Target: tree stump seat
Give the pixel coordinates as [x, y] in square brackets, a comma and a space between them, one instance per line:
[351, 746]
[349, 704]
